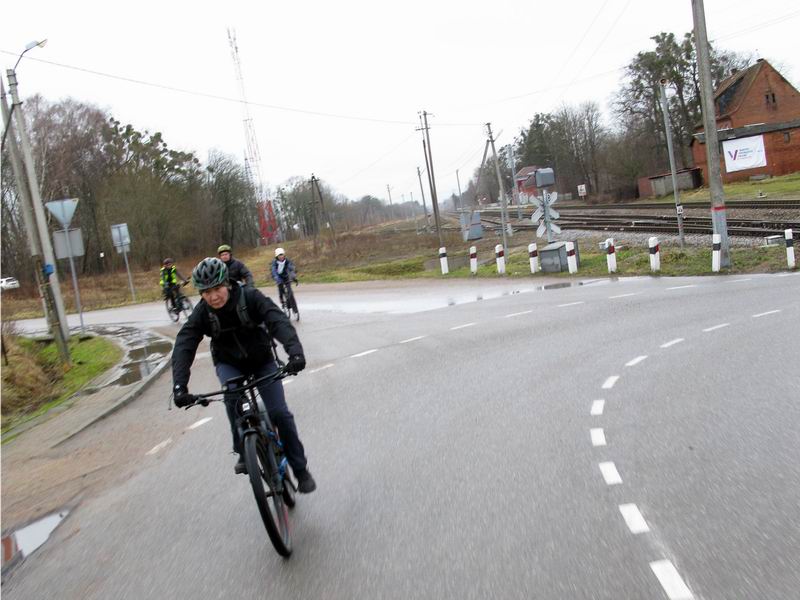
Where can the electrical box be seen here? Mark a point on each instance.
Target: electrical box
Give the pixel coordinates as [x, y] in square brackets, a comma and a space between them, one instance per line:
[545, 177]
[554, 257]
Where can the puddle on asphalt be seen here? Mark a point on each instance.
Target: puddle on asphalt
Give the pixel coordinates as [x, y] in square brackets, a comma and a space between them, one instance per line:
[145, 352]
[34, 535]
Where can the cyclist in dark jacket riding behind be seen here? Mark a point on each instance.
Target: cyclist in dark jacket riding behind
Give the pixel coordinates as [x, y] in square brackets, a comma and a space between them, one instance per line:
[283, 272]
[237, 271]
[241, 323]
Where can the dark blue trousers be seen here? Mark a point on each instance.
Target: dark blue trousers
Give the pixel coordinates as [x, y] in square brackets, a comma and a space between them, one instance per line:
[278, 411]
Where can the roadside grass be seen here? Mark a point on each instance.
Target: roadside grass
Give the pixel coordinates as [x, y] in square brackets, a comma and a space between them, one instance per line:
[776, 188]
[34, 381]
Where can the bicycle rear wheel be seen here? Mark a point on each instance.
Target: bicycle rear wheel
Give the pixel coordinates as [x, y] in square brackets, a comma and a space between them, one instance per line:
[173, 314]
[264, 478]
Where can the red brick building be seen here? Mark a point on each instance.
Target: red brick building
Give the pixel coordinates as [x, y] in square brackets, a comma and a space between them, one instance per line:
[758, 123]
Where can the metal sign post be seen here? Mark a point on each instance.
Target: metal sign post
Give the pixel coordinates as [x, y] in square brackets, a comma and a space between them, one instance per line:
[122, 242]
[63, 210]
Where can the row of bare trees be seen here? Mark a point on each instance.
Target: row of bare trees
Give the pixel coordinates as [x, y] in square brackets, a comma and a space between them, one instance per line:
[608, 158]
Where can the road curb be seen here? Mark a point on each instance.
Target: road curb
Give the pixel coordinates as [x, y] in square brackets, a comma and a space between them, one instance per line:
[132, 395]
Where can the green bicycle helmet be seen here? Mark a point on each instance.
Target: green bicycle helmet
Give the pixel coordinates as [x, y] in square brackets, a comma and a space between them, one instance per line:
[209, 273]
[224, 248]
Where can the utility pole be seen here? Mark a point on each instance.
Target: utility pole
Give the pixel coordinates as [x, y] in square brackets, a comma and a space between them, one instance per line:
[503, 206]
[462, 215]
[668, 130]
[422, 191]
[431, 177]
[61, 327]
[514, 194]
[322, 209]
[27, 214]
[718, 215]
[391, 206]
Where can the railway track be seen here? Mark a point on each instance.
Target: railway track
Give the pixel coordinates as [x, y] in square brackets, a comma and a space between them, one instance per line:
[661, 224]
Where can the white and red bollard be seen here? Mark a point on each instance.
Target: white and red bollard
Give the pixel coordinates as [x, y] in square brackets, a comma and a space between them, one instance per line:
[533, 256]
[790, 249]
[443, 260]
[473, 260]
[655, 254]
[611, 255]
[572, 260]
[716, 252]
[500, 258]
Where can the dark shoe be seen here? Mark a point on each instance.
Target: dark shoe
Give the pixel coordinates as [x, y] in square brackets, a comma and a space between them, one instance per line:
[240, 468]
[305, 482]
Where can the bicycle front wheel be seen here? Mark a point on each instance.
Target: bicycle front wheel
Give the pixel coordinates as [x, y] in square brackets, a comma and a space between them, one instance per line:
[173, 314]
[265, 479]
[186, 306]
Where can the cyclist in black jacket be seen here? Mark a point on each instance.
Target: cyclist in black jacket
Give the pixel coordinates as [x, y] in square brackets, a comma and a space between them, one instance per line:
[241, 323]
[237, 271]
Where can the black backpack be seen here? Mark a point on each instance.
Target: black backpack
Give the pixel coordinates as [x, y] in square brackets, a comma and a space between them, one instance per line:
[244, 322]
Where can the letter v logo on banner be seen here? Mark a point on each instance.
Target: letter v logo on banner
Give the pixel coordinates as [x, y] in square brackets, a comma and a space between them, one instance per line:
[733, 154]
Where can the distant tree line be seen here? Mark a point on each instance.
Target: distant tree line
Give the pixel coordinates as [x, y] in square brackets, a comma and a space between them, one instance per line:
[176, 205]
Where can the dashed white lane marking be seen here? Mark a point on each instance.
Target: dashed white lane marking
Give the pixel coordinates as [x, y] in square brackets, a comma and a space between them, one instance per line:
[682, 287]
[462, 326]
[609, 383]
[598, 436]
[322, 368]
[715, 327]
[636, 361]
[672, 342]
[610, 473]
[764, 314]
[160, 446]
[199, 423]
[633, 518]
[517, 314]
[739, 280]
[624, 295]
[414, 339]
[597, 408]
[571, 304]
[360, 354]
[670, 580]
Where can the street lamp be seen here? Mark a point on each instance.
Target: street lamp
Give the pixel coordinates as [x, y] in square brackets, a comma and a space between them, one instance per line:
[30, 46]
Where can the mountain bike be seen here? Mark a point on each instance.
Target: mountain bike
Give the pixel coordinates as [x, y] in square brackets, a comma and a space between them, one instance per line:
[180, 305]
[267, 466]
[289, 302]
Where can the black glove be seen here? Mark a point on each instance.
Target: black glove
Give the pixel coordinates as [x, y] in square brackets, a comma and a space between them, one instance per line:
[297, 362]
[182, 396]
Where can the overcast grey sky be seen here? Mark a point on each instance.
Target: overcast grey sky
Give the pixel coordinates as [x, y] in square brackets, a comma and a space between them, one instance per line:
[378, 62]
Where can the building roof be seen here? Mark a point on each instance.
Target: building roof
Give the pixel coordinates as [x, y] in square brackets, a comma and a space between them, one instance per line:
[524, 172]
[730, 93]
[748, 130]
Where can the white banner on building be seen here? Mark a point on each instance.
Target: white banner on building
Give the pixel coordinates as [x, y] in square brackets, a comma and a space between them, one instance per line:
[744, 153]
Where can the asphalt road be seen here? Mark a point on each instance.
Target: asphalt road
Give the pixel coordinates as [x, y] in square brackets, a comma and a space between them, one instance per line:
[621, 439]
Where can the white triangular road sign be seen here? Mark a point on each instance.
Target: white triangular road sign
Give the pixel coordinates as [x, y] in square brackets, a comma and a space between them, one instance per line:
[63, 210]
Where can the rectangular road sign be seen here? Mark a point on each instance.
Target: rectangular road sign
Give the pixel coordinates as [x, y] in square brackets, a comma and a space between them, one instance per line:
[75, 243]
[120, 236]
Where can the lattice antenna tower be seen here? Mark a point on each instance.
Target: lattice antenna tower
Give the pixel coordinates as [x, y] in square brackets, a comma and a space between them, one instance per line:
[252, 157]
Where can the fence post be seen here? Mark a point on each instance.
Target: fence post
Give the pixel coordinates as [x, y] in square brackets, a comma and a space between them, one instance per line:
[533, 255]
[611, 255]
[572, 262]
[655, 254]
[500, 258]
[443, 260]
